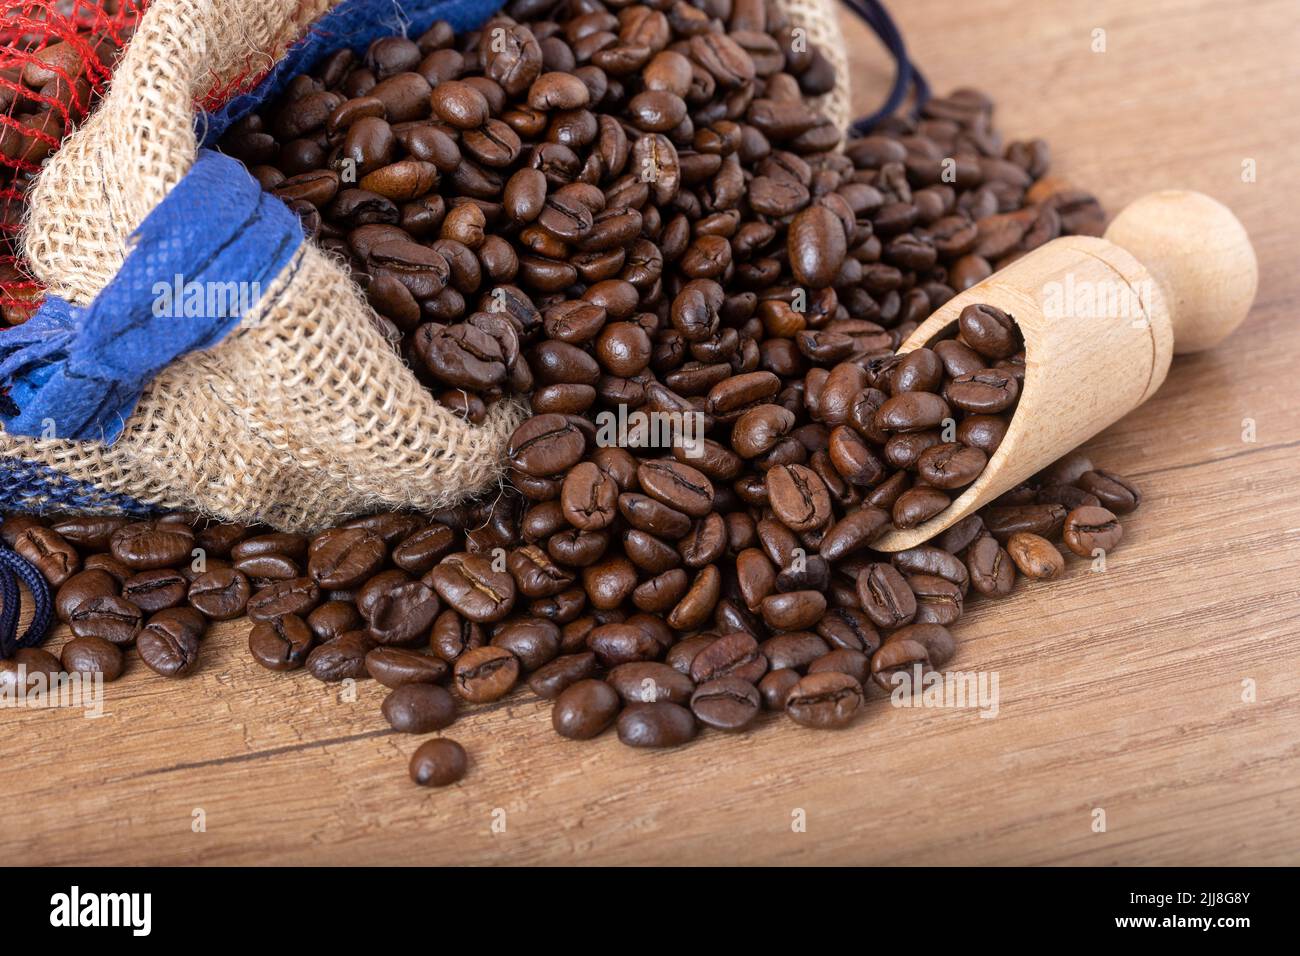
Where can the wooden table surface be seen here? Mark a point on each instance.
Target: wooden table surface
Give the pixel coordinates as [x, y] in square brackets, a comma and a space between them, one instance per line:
[1123, 692]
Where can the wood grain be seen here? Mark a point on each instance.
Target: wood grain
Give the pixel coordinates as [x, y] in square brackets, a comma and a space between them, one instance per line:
[1119, 690]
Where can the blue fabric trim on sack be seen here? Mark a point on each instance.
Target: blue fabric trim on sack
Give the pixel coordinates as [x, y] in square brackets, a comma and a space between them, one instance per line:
[353, 24]
[30, 487]
[198, 262]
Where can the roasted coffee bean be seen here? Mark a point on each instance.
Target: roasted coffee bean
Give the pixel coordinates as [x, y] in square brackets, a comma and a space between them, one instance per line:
[938, 600]
[793, 651]
[453, 635]
[438, 763]
[93, 655]
[793, 610]
[1035, 556]
[546, 445]
[333, 619]
[992, 572]
[917, 506]
[402, 613]
[551, 680]
[469, 584]
[220, 595]
[585, 709]
[50, 552]
[485, 674]
[534, 641]
[297, 596]
[678, 486]
[885, 596]
[81, 587]
[1003, 521]
[661, 724]
[420, 551]
[145, 546]
[344, 557]
[775, 686]
[650, 681]
[152, 591]
[989, 331]
[342, 658]
[90, 532]
[281, 643]
[395, 667]
[799, 497]
[107, 616]
[824, 700]
[849, 628]
[843, 660]
[1091, 529]
[1116, 494]
[727, 703]
[419, 708]
[169, 643]
[732, 655]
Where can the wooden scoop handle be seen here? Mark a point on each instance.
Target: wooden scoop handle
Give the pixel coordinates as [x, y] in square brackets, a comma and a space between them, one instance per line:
[1101, 320]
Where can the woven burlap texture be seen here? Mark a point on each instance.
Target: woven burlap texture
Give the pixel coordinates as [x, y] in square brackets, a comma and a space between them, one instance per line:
[821, 19]
[304, 415]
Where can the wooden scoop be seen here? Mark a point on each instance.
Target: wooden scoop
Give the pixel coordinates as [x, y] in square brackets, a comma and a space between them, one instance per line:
[1101, 319]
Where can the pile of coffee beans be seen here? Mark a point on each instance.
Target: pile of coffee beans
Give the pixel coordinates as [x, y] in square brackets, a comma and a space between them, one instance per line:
[659, 635]
[618, 204]
[614, 209]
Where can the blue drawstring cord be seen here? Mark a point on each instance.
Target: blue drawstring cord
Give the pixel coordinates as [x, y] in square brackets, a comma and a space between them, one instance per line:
[907, 78]
[15, 568]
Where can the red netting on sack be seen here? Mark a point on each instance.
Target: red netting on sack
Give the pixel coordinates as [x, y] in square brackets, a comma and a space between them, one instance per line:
[57, 58]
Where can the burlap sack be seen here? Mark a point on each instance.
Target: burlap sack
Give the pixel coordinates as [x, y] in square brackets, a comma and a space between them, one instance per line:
[304, 415]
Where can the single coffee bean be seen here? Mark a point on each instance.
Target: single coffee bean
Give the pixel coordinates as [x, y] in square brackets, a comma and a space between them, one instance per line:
[660, 724]
[650, 681]
[1035, 556]
[485, 674]
[344, 557]
[395, 667]
[169, 643]
[1116, 494]
[438, 763]
[281, 643]
[732, 655]
[585, 709]
[992, 572]
[334, 619]
[469, 584]
[885, 597]
[824, 700]
[798, 497]
[419, 708]
[775, 686]
[843, 661]
[146, 546]
[1090, 529]
[551, 680]
[108, 616]
[220, 595]
[50, 552]
[152, 591]
[342, 658]
[296, 596]
[727, 703]
[81, 587]
[93, 655]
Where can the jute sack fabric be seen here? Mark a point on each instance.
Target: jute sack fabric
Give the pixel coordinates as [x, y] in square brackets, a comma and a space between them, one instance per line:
[302, 416]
